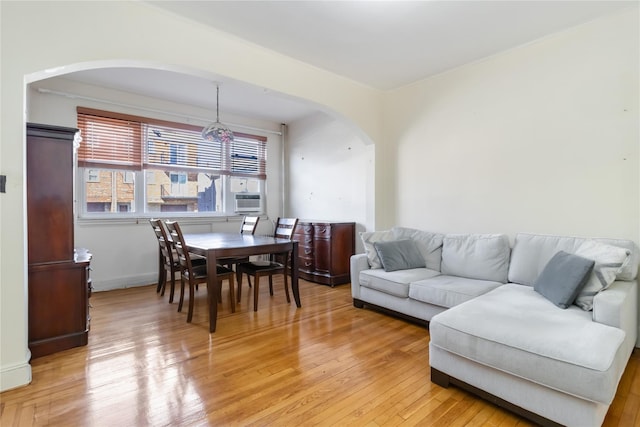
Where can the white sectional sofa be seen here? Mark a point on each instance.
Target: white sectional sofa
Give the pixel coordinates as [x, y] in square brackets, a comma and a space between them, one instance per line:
[496, 328]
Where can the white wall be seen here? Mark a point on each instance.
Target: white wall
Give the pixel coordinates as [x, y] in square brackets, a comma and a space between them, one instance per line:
[543, 138]
[330, 168]
[44, 39]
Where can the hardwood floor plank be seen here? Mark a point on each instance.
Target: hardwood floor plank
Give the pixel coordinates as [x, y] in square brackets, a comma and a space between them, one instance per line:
[324, 364]
[9, 414]
[342, 411]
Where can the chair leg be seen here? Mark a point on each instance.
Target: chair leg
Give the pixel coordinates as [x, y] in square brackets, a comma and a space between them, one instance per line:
[162, 280]
[161, 272]
[181, 301]
[173, 284]
[286, 287]
[255, 292]
[232, 296]
[239, 293]
[271, 285]
[191, 298]
[238, 277]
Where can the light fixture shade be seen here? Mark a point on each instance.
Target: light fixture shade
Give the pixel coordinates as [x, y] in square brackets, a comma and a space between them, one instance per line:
[216, 131]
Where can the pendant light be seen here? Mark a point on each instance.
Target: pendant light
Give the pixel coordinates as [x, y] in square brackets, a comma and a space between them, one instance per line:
[217, 132]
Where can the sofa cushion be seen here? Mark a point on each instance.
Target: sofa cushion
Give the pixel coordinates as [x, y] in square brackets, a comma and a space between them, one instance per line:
[531, 252]
[630, 268]
[448, 291]
[476, 256]
[394, 283]
[518, 331]
[563, 278]
[368, 239]
[429, 244]
[609, 261]
[399, 255]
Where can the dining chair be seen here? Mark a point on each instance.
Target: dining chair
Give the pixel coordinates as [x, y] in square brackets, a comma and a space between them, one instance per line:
[249, 224]
[248, 227]
[277, 264]
[195, 274]
[168, 259]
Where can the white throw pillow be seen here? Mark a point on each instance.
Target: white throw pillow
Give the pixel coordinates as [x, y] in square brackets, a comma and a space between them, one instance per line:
[609, 259]
[368, 239]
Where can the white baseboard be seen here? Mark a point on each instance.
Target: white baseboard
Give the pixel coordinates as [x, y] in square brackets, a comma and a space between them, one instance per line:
[14, 376]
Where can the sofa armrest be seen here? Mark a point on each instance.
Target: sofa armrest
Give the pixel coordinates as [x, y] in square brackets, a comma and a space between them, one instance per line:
[359, 262]
[617, 306]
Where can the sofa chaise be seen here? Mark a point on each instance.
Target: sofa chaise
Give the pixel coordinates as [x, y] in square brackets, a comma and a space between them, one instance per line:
[497, 325]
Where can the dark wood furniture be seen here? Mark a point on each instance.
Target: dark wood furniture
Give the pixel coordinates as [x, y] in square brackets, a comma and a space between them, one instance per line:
[168, 259]
[248, 226]
[59, 286]
[325, 250]
[195, 274]
[277, 264]
[221, 245]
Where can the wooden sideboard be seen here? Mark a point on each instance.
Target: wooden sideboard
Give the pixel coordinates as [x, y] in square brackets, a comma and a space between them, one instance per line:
[324, 250]
[58, 284]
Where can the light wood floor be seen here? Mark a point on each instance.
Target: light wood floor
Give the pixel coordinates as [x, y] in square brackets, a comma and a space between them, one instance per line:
[327, 363]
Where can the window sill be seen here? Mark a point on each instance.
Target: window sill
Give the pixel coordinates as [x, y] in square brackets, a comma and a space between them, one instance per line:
[187, 219]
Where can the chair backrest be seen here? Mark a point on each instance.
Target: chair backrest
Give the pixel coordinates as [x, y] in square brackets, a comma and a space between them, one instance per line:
[163, 241]
[249, 224]
[285, 228]
[179, 244]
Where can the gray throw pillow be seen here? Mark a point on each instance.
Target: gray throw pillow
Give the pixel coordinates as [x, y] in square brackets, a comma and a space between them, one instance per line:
[563, 278]
[399, 255]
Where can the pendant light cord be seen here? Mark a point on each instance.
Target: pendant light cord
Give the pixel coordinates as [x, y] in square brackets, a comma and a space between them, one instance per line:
[217, 103]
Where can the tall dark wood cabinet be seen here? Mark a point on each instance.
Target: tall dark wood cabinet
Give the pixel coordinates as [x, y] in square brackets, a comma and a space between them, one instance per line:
[324, 251]
[58, 284]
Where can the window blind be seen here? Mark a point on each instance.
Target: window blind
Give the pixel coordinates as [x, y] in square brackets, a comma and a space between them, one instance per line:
[180, 149]
[109, 142]
[248, 158]
[120, 141]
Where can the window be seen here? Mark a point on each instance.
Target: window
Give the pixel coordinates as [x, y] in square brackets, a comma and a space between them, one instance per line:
[128, 177]
[144, 166]
[93, 175]
[107, 188]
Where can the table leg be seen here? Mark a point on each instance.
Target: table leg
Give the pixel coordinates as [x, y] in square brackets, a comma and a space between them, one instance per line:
[294, 273]
[212, 289]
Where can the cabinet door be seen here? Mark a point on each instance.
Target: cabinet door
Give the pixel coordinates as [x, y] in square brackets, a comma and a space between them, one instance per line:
[57, 301]
[49, 198]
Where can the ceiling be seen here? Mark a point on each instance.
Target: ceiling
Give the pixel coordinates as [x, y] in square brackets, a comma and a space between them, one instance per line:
[381, 44]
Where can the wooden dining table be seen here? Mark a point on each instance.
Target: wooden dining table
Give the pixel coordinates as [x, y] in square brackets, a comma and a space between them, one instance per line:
[223, 245]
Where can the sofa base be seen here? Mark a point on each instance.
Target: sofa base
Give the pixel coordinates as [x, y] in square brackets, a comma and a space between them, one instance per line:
[361, 304]
[444, 380]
